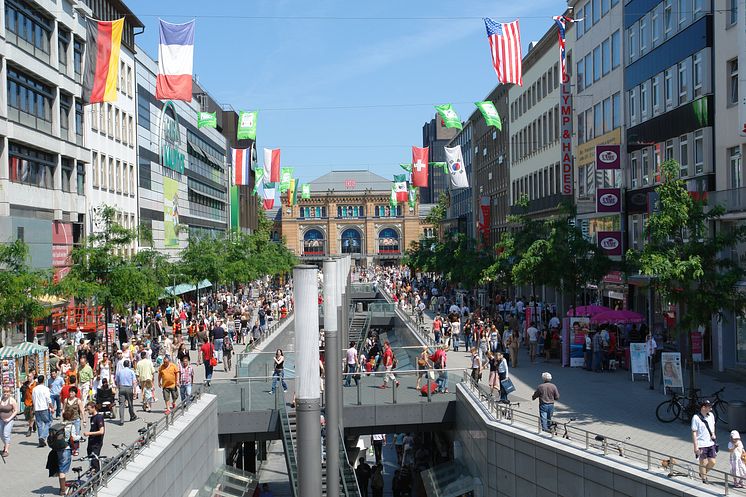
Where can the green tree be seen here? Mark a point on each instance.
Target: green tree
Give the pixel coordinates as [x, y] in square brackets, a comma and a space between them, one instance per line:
[687, 258]
[21, 286]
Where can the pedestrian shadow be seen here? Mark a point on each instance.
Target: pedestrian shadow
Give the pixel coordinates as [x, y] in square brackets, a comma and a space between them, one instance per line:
[48, 490]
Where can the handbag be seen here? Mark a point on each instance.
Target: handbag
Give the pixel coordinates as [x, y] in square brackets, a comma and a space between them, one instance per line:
[507, 385]
[213, 359]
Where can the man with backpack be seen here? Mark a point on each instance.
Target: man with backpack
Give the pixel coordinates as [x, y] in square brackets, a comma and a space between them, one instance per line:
[61, 435]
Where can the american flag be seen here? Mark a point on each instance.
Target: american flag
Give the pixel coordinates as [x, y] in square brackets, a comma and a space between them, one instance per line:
[561, 22]
[505, 46]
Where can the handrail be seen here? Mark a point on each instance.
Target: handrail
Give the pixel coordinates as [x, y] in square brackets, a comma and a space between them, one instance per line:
[111, 466]
[290, 456]
[262, 337]
[346, 469]
[635, 456]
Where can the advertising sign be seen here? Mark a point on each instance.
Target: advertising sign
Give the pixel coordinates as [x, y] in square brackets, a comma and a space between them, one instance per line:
[610, 242]
[171, 155]
[608, 157]
[62, 245]
[170, 212]
[638, 359]
[577, 340]
[566, 135]
[609, 200]
[671, 368]
[697, 345]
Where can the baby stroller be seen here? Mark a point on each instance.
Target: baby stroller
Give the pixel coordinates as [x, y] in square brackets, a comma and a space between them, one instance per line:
[105, 402]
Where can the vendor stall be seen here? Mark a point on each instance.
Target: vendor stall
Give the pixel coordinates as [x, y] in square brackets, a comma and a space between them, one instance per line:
[9, 375]
[32, 356]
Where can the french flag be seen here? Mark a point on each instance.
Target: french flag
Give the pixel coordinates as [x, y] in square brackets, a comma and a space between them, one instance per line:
[241, 160]
[175, 61]
[272, 165]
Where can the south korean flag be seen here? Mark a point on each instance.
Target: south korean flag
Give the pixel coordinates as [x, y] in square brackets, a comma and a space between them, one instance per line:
[456, 168]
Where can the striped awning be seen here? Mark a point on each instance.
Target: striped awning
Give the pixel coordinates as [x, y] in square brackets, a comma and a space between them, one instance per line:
[9, 353]
[28, 348]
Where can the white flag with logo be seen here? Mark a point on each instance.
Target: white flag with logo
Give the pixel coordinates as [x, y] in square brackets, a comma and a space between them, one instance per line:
[456, 168]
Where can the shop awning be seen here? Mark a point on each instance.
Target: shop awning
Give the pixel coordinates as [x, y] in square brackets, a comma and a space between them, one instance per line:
[9, 353]
[183, 288]
[28, 348]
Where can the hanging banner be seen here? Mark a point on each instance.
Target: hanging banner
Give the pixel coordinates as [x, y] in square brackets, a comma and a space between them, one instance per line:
[286, 174]
[566, 114]
[608, 200]
[246, 125]
[207, 120]
[697, 344]
[608, 157]
[610, 242]
[484, 216]
[170, 212]
[234, 207]
[305, 191]
[671, 369]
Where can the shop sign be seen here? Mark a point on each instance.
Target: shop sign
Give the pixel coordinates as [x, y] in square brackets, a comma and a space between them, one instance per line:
[608, 157]
[609, 200]
[170, 139]
[614, 277]
[610, 242]
[566, 135]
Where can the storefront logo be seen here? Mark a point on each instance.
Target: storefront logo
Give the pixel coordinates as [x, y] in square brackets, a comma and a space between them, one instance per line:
[609, 200]
[170, 139]
[610, 242]
[607, 157]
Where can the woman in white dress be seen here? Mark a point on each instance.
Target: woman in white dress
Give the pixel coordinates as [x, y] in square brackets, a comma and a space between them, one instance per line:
[737, 465]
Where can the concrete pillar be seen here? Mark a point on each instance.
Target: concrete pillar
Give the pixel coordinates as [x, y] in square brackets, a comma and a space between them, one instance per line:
[308, 407]
[333, 362]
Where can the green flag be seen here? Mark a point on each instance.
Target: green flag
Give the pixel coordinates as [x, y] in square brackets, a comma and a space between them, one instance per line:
[442, 165]
[412, 196]
[491, 117]
[286, 174]
[398, 178]
[406, 167]
[207, 120]
[392, 201]
[305, 191]
[449, 116]
[246, 125]
[258, 175]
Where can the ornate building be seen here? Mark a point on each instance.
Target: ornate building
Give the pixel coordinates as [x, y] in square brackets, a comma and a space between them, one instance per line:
[349, 212]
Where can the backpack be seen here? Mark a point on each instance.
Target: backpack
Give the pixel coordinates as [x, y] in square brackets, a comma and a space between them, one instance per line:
[56, 439]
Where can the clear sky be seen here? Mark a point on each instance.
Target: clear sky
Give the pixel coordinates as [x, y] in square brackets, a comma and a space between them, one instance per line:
[346, 84]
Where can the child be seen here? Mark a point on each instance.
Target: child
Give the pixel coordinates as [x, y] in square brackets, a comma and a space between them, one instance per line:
[737, 465]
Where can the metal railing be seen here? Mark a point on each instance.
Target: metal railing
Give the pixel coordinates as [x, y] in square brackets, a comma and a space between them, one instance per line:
[410, 318]
[350, 486]
[288, 440]
[111, 466]
[598, 444]
[256, 341]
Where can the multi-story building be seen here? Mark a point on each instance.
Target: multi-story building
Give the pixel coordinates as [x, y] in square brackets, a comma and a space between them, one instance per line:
[111, 133]
[435, 135]
[349, 212]
[668, 83]
[490, 165]
[460, 215]
[43, 152]
[182, 170]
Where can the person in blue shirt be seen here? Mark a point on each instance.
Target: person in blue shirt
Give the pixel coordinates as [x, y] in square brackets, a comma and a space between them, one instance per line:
[56, 382]
[125, 380]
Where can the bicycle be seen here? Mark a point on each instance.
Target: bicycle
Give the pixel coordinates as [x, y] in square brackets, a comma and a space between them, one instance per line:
[72, 486]
[676, 408]
[553, 425]
[720, 407]
[506, 409]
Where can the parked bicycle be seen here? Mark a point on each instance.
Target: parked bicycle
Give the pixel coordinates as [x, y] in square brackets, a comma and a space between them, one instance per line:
[554, 426]
[72, 486]
[684, 407]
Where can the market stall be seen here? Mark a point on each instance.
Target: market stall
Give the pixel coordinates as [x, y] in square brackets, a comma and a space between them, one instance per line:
[9, 374]
[32, 356]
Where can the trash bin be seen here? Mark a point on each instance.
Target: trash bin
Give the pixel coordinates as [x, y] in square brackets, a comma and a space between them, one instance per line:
[737, 415]
[359, 307]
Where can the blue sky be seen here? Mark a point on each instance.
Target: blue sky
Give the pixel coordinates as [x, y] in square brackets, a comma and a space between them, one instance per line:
[296, 71]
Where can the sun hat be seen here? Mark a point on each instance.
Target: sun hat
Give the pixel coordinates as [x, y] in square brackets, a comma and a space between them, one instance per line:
[735, 435]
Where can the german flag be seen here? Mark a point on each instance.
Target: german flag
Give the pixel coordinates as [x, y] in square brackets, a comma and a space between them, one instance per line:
[104, 39]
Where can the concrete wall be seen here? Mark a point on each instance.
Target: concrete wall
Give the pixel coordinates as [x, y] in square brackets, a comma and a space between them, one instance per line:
[181, 459]
[512, 462]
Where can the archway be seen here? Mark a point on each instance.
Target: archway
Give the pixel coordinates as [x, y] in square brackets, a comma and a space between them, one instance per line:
[388, 241]
[351, 241]
[313, 242]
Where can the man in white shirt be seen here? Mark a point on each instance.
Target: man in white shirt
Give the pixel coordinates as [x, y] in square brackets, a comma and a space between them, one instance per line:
[43, 406]
[650, 348]
[533, 340]
[703, 437]
[351, 361]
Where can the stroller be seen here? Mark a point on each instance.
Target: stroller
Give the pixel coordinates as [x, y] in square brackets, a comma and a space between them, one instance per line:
[105, 402]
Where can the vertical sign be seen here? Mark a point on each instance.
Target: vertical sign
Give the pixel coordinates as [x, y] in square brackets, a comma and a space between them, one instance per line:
[170, 212]
[671, 367]
[742, 63]
[566, 134]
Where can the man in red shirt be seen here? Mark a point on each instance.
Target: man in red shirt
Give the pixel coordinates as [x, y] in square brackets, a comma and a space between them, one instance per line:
[65, 392]
[388, 363]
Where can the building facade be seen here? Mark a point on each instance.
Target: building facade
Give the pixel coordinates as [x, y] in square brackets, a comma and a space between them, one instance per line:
[182, 170]
[43, 150]
[349, 212]
[435, 135]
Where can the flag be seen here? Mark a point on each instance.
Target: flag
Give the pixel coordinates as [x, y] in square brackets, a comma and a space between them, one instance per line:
[246, 125]
[505, 47]
[175, 61]
[241, 158]
[491, 117]
[449, 116]
[286, 174]
[419, 166]
[393, 202]
[272, 164]
[268, 196]
[399, 178]
[561, 22]
[412, 196]
[305, 191]
[258, 179]
[293, 192]
[103, 42]
[406, 167]
[400, 191]
[207, 120]
[456, 169]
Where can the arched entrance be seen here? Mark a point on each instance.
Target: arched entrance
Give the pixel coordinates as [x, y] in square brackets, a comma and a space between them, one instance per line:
[388, 241]
[313, 242]
[351, 241]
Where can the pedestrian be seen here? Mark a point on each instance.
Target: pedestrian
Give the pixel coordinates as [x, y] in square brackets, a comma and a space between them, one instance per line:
[145, 372]
[502, 375]
[186, 379]
[266, 492]
[378, 440]
[399, 447]
[423, 366]
[351, 362]
[68, 440]
[476, 365]
[8, 411]
[27, 389]
[389, 362]
[650, 351]
[72, 408]
[548, 394]
[493, 365]
[55, 389]
[737, 459]
[362, 472]
[440, 360]
[279, 371]
[85, 378]
[376, 481]
[207, 356]
[513, 344]
[43, 407]
[533, 340]
[168, 379]
[217, 334]
[704, 439]
[228, 352]
[125, 381]
[95, 435]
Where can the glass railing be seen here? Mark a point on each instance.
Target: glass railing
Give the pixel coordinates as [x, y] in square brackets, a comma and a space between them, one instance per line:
[363, 288]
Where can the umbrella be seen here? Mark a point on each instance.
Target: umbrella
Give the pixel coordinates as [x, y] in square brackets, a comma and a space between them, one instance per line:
[617, 317]
[588, 310]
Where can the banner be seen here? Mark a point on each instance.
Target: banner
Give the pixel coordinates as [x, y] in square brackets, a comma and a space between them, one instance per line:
[420, 166]
[305, 191]
[609, 200]
[286, 174]
[170, 212]
[489, 112]
[412, 196]
[484, 216]
[449, 116]
[610, 242]
[577, 340]
[234, 207]
[566, 115]
[207, 120]
[638, 359]
[456, 169]
[608, 157]
[671, 369]
[246, 125]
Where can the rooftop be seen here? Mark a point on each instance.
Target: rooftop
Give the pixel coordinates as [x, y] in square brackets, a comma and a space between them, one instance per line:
[350, 181]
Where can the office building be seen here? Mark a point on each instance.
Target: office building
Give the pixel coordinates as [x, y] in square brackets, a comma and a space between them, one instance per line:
[435, 135]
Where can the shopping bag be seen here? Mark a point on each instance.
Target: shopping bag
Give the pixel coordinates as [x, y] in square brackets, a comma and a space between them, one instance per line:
[507, 385]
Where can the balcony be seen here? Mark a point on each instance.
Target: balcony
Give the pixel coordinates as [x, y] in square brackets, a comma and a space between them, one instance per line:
[539, 205]
[732, 201]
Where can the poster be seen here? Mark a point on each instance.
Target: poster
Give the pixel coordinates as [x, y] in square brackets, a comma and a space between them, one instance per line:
[8, 373]
[170, 212]
[671, 369]
[638, 359]
[697, 345]
[577, 340]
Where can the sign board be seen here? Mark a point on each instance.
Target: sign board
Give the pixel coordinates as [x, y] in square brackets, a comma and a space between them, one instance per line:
[610, 242]
[609, 200]
[170, 136]
[608, 157]
[638, 359]
[697, 345]
[671, 370]
[577, 340]
[566, 115]
[350, 183]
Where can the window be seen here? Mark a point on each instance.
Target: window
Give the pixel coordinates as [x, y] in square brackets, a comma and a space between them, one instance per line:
[733, 82]
[67, 174]
[122, 77]
[632, 103]
[684, 155]
[669, 150]
[81, 179]
[589, 133]
[63, 44]
[143, 113]
[616, 104]
[598, 119]
[118, 176]
[581, 127]
[732, 12]
[606, 56]
[668, 16]
[112, 180]
[734, 161]
[131, 179]
[644, 100]
[645, 167]
[579, 31]
[66, 103]
[117, 125]
[31, 167]
[697, 70]
[616, 50]
[596, 11]
[683, 83]
[699, 152]
[698, 7]
[643, 34]
[94, 167]
[588, 16]
[101, 117]
[656, 92]
[130, 130]
[32, 30]
[597, 63]
[633, 171]
[656, 23]
[588, 70]
[79, 121]
[29, 100]
[632, 43]
[78, 59]
[668, 87]
[608, 118]
[605, 7]
[129, 80]
[683, 10]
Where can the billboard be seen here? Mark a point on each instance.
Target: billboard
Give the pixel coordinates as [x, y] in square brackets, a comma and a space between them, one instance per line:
[170, 212]
[566, 135]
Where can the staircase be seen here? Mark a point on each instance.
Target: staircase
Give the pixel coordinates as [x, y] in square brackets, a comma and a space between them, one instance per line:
[359, 327]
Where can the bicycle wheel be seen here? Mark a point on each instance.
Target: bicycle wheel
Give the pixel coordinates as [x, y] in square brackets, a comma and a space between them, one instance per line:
[721, 411]
[667, 411]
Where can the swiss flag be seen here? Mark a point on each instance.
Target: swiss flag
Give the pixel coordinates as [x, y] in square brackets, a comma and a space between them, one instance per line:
[419, 166]
[272, 165]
